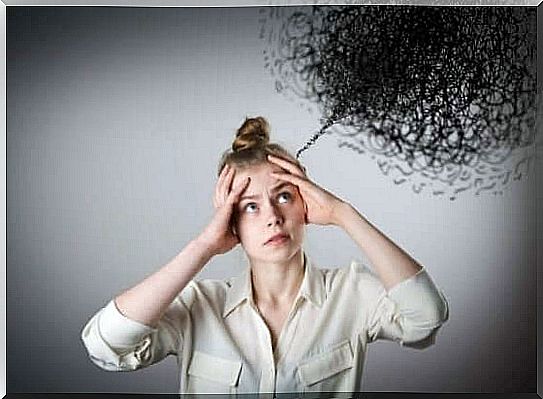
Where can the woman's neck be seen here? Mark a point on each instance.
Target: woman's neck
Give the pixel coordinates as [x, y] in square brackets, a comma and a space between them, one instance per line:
[277, 284]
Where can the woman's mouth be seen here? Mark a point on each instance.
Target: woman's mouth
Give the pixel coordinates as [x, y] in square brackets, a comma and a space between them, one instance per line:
[277, 240]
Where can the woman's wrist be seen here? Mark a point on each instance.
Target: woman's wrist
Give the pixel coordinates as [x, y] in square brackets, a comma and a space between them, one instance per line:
[342, 212]
[203, 247]
[345, 213]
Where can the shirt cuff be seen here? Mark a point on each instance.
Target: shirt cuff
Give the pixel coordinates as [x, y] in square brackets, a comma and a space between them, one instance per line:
[119, 331]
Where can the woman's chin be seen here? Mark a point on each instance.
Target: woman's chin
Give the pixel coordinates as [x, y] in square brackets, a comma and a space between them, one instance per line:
[276, 254]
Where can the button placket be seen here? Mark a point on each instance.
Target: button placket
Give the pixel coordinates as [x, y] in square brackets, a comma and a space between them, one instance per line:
[267, 383]
[287, 333]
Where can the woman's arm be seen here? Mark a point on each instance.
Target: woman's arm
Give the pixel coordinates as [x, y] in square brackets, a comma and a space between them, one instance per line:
[408, 307]
[390, 262]
[144, 324]
[148, 300]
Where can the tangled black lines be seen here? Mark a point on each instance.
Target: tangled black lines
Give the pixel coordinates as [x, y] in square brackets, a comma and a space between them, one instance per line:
[428, 86]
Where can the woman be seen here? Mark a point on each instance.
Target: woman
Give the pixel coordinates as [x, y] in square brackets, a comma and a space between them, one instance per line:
[284, 325]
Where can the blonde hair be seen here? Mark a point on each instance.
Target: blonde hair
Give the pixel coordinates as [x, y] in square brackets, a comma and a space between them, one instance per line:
[252, 146]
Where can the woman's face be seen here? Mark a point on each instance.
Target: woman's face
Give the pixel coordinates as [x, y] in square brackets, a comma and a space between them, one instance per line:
[266, 208]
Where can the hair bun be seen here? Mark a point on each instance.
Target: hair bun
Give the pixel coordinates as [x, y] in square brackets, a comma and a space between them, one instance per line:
[254, 132]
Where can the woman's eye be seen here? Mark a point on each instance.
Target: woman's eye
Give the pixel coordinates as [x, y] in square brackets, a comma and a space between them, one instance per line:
[284, 197]
[251, 207]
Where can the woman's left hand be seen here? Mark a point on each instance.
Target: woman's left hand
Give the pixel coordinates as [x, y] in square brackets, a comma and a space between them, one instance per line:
[321, 206]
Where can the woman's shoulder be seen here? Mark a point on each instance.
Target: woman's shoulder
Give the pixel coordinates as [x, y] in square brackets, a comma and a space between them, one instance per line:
[354, 267]
[212, 290]
[217, 294]
[355, 274]
[211, 286]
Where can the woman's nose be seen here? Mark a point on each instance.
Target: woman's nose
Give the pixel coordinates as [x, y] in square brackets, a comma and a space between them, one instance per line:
[274, 216]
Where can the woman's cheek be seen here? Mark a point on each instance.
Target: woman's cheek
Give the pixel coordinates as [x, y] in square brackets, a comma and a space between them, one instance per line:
[243, 228]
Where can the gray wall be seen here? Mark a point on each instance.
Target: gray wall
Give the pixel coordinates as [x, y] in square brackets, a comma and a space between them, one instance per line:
[116, 120]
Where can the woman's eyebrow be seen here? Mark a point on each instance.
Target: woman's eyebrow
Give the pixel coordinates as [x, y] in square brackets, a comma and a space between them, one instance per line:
[273, 189]
[281, 185]
[244, 197]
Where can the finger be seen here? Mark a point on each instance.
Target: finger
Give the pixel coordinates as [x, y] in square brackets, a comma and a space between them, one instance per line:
[224, 188]
[298, 182]
[223, 174]
[234, 195]
[219, 184]
[227, 188]
[289, 166]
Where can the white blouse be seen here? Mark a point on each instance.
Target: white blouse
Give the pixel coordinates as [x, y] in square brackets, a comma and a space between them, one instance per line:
[223, 345]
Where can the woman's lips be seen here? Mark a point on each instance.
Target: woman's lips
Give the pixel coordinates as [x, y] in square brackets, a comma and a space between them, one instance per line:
[278, 240]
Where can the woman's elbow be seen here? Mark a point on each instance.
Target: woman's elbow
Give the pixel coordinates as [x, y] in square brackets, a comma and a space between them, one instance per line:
[434, 314]
[420, 339]
[422, 334]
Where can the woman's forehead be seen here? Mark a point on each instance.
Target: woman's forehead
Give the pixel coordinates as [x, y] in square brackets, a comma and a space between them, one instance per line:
[261, 169]
[259, 174]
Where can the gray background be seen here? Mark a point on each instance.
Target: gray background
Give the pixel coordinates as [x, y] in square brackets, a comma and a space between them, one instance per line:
[116, 120]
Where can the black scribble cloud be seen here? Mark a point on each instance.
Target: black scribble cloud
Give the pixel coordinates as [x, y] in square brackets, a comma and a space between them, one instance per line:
[443, 97]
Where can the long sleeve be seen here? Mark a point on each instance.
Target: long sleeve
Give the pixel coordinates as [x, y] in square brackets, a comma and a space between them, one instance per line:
[116, 343]
[410, 313]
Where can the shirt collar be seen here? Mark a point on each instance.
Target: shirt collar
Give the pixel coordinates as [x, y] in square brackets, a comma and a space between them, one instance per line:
[312, 287]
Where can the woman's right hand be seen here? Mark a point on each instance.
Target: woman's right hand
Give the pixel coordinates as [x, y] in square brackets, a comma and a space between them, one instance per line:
[218, 235]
